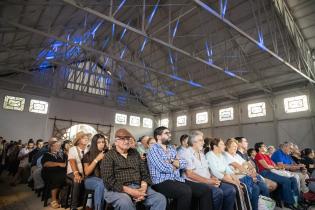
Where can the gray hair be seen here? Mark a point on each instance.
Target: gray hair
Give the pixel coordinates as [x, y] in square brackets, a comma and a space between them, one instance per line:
[192, 137]
[286, 144]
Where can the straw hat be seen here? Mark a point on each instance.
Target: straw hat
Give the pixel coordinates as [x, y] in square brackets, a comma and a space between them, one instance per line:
[52, 140]
[79, 136]
[122, 132]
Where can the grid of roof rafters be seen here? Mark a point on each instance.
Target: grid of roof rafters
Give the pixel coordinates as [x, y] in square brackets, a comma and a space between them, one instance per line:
[159, 55]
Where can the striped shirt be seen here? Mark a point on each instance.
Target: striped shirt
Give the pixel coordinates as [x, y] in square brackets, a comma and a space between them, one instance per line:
[159, 163]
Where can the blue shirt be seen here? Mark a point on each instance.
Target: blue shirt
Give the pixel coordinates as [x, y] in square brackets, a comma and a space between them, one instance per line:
[218, 165]
[280, 156]
[160, 167]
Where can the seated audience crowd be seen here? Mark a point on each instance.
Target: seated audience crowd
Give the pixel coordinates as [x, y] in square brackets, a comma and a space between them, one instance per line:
[202, 173]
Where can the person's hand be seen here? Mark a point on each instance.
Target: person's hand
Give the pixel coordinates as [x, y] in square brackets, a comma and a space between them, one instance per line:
[228, 179]
[77, 178]
[281, 165]
[176, 163]
[62, 165]
[254, 179]
[139, 199]
[100, 156]
[144, 187]
[215, 182]
[137, 194]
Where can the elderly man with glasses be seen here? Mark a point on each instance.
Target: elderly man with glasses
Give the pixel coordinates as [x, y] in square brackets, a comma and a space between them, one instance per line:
[126, 177]
[165, 164]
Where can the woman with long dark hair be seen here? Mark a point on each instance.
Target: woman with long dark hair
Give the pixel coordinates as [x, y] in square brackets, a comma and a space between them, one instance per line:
[91, 164]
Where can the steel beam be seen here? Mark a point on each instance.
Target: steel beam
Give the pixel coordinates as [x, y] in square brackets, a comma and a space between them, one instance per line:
[80, 69]
[139, 32]
[251, 39]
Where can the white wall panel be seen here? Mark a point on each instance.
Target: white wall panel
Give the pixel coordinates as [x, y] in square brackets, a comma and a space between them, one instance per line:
[24, 125]
[258, 132]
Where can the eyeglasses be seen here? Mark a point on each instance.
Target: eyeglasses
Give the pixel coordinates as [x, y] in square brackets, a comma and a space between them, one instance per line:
[123, 138]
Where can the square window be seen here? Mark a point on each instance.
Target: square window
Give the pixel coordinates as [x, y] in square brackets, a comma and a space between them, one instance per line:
[181, 121]
[134, 121]
[37, 106]
[257, 109]
[121, 119]
[164, 122]
[147, 123]
[202, 117]
[14, 103]
[296, 104]
[226, 114]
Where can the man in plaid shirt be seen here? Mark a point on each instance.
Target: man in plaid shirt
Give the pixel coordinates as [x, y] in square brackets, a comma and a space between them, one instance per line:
[126, 178]
[165, 165]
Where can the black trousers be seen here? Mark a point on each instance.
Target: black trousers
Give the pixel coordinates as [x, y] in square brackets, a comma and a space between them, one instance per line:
[183, 192]
[76, 193]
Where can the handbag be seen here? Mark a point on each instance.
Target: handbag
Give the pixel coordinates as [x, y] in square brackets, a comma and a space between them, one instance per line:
[265, 203]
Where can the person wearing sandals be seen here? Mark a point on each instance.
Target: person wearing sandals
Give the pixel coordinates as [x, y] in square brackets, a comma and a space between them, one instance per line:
[91, 164]
[54, 170]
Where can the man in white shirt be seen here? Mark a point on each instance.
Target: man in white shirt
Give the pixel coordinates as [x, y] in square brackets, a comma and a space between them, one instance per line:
[75, 166]
[23, 157]
[223, 195]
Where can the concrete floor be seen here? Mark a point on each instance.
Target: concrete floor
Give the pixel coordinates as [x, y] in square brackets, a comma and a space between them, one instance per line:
[21, 197]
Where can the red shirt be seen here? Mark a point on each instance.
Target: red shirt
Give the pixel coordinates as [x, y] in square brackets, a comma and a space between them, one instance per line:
[268, 160]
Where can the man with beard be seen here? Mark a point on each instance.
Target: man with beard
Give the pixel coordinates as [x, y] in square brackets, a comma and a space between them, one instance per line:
[165, 165]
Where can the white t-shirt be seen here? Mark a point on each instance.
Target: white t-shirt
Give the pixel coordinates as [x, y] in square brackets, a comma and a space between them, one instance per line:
[200, 167]
[233, 158]
[73, 154]
[24, 161]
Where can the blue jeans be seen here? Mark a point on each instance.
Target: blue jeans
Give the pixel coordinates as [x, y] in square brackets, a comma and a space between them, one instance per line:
[288, 186]
[253, 191]
[122, 201]
[223, 197]
[96, 184]
[263, 188]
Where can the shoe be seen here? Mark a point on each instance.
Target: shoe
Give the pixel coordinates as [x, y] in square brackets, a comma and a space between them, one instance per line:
[291, 206]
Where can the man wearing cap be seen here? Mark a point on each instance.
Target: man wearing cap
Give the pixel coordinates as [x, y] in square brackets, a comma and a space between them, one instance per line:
[75, 166]
[126, 177]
